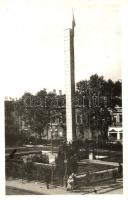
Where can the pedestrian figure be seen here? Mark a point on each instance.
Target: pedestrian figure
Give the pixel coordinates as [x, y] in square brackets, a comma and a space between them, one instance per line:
[115, 174]
[74, 180]
[120, 169]
[88, 177]
[47, 178]
[70, 182]
[95, 191]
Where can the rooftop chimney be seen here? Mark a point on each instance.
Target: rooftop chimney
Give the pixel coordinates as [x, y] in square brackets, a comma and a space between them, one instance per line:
[60, 92]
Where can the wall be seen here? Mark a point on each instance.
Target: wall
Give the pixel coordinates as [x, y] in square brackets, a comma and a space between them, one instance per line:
[96, 176]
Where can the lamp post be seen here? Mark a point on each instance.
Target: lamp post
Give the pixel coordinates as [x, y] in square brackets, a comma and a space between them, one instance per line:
[52, 141]
[65, 163]
[89, 133]
[66, 169]
[51, 130]
[61, 134]
[52, 177]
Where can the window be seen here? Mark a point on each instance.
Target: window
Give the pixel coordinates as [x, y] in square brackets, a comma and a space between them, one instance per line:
[120, 135]
[120, 118]
[113, 136]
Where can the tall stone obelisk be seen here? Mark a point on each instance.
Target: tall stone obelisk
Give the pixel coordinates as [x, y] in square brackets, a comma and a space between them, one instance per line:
[70, 81]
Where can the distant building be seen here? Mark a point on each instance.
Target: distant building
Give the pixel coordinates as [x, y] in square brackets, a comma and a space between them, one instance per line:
[115, 131]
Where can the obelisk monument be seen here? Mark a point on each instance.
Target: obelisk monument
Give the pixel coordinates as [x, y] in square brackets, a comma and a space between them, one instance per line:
[70, 81]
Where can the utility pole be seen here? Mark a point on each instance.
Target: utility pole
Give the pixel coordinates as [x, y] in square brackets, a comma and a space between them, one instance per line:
[66, 170]
[52, 177]
[52, 141]
[51, 130]
[66, 164]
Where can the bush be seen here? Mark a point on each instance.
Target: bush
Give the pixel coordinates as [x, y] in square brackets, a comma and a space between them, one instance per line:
[40, 158]
[28, 171]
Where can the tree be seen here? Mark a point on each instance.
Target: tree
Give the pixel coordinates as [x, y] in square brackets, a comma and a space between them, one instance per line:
[82, 87]
[97, 92]
[96, 84]
[36, 112]
[40, 111]
[117, 88]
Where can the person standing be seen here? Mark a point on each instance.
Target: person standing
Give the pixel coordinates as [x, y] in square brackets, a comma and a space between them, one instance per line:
[115, 174]
[120, 169]
[47, 178]
[88, 177]
[70, 182]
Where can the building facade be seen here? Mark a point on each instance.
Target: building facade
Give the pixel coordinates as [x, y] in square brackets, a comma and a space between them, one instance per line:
[115, 131]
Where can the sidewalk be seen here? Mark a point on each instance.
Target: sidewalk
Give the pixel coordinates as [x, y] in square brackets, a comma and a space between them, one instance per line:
[40, 188]
[99, 162]
[36, 187]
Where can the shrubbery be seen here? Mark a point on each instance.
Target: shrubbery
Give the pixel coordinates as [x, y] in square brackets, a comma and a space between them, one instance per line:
[40, 158]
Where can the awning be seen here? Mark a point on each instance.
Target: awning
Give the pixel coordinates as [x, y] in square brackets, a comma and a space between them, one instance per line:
[112, 131]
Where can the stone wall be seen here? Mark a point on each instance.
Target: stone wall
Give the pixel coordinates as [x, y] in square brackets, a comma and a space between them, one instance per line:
[87, 179]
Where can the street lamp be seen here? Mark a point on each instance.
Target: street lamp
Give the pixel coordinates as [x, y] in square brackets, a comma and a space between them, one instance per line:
[66, 166]
[52, 177]
[60, 133]
[51, 130]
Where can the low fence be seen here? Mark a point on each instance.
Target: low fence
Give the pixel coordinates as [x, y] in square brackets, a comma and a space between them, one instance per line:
[91, 178]
[37, 171]
[29, 170]
[32, 171]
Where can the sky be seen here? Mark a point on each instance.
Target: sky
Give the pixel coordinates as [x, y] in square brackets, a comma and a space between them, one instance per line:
[32, 42]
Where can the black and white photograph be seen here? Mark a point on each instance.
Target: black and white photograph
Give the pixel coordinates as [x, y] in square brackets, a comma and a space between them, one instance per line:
[63, 130]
